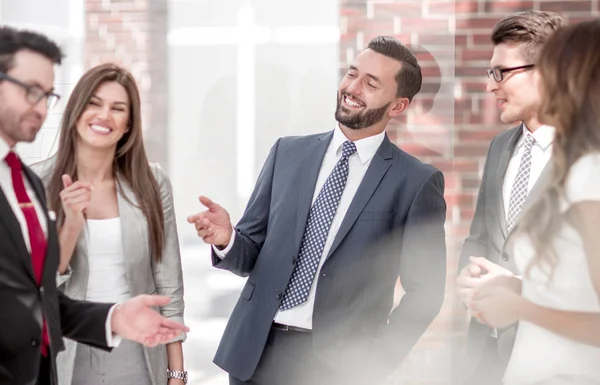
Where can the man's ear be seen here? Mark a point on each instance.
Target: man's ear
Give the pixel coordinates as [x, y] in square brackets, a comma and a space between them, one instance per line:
[399, 105]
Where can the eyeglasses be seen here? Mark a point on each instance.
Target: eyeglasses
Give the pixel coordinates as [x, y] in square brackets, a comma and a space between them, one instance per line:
[33, 93]
[498, 73]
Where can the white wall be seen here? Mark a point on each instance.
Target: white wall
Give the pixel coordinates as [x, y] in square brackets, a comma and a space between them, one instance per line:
[62, 21]
[233, 92]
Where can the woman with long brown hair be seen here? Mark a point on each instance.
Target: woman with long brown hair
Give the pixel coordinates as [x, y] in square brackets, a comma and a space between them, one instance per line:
[556, 244]
[118, 235]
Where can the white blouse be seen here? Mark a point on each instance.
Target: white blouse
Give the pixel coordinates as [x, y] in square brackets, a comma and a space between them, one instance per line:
[107, 277]
[538, 354]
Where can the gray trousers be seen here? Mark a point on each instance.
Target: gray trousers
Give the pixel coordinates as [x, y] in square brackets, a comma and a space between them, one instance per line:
[125, 365]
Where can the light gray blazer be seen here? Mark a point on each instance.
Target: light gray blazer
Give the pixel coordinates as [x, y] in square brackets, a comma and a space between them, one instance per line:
[144, 274]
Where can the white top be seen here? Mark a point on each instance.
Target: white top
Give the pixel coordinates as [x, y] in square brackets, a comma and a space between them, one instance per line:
[301, 315]
[539, 354]
[107, 278]
[6, 185]
[540, 154]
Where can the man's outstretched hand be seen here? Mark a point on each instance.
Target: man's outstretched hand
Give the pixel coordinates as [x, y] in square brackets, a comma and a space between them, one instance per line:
[135, 320]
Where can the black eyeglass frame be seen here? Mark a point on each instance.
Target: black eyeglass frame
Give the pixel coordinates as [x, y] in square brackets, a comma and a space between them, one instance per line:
[33, 93]
[498, 73]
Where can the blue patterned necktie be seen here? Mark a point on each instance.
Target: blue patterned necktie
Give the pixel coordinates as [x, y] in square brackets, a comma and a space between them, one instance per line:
[319, 221]
[519, 190]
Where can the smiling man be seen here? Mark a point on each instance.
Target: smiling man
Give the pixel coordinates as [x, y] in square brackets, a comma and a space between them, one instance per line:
[516, 161]
[333, 221]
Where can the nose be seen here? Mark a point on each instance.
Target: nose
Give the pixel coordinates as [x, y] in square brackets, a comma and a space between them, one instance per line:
[354, 87]
[42, 109]
[103, 113]
[491, 84]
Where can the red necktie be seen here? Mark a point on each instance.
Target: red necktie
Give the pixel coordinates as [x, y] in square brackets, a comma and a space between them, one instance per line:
[37, 239]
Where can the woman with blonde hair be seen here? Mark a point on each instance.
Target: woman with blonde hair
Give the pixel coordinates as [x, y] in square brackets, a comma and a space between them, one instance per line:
[118, 235]
[556, 244]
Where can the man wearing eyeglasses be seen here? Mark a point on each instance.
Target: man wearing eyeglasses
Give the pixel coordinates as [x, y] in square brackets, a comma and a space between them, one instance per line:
[34, 317]
[516, 159]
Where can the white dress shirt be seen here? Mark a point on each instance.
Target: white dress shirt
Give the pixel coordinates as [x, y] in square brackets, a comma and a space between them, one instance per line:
[6, 185]
[301, 315]
[540, 154]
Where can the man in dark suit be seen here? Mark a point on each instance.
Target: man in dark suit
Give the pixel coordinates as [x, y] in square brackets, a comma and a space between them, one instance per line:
[333, 221]
[516, 161]
[35, 316]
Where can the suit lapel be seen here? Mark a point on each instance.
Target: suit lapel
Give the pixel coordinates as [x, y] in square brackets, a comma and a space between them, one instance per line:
[509, 148]
[13, 228]
[133, 242]
[380, 163]
[311, 165]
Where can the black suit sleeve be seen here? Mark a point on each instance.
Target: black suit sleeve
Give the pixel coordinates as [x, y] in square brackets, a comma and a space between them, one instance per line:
[422, 274]
[84, 321]
[251, 230]
[476, 243]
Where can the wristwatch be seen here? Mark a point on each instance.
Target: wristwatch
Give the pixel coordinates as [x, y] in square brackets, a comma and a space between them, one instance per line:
[178, 374]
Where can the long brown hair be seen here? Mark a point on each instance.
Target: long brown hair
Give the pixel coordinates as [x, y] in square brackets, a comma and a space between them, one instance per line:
[569, 68]
[130, 162]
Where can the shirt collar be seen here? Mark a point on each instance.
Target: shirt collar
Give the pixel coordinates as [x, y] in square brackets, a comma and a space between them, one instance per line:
[366, 147]
[544, 136]
[4, 149]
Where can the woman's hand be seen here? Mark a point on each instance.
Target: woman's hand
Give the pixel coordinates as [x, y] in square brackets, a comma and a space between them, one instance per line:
[497, 302]
[75, 198]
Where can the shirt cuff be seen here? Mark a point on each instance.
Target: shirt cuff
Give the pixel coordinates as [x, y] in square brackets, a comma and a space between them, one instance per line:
[112, 340]
[223, 253]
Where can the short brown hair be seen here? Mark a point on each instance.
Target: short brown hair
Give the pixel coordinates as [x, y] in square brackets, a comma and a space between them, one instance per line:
[13, 40]
[409, 78]
[529, 28]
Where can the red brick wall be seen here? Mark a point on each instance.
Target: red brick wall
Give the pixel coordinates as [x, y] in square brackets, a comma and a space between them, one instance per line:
[453, 135]
[133, 33]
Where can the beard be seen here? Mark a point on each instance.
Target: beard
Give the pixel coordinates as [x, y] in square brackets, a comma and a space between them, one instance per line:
[15, 127]
[356, 121]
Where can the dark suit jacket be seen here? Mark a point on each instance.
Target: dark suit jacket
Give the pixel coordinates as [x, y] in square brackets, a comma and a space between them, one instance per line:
[488, 235]
[23, 302]
[393, 227]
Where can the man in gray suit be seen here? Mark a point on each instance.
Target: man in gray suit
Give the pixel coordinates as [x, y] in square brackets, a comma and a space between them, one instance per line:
[333, 221]
[515, 161]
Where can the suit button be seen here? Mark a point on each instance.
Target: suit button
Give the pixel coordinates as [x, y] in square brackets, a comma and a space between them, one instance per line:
[505, 256]
[35, 342]
[324, 275]
[294, 261]
[42, 290]
[279, 295]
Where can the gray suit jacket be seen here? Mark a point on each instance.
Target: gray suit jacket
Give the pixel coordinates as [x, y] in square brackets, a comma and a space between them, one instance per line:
[488, 236]
[393, 228]
[144, 274]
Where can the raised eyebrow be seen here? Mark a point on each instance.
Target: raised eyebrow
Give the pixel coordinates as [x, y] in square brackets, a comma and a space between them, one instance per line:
[374, 78]
[99, 98]
[353, 68]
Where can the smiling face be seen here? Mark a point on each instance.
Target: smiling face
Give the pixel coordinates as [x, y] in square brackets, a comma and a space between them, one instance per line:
[368, 92]
[105, 119]
[517, 95]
